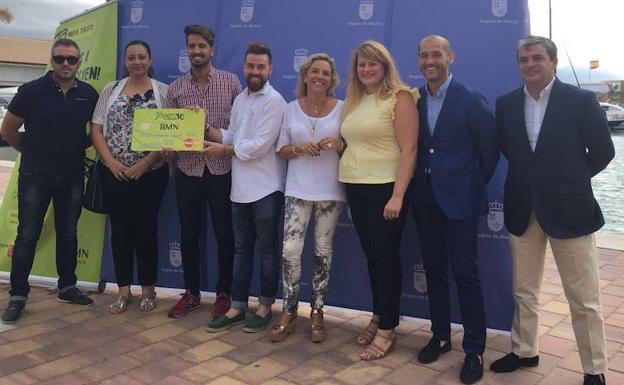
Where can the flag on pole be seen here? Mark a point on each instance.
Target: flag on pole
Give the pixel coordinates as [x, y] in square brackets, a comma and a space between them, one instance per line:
[593, 64]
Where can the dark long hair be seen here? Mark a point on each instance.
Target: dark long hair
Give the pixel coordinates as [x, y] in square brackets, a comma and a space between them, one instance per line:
[150, 71]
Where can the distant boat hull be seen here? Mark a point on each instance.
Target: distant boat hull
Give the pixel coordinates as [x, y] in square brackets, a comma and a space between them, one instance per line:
[616, 125]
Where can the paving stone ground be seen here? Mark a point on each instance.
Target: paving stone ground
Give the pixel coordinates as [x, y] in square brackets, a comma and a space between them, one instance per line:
[57, 343]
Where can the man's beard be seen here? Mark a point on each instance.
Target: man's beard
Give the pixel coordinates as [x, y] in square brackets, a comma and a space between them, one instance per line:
[254, 87]
[201, 64]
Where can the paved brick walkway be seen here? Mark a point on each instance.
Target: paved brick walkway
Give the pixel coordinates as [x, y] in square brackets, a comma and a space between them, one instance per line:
[56, 343]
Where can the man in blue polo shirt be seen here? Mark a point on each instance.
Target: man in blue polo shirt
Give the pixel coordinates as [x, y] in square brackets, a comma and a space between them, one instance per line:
[54, 110]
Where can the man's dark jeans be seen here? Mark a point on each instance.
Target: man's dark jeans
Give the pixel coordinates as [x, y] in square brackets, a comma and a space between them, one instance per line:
[34, 193]
[192, 194]
[256, 222]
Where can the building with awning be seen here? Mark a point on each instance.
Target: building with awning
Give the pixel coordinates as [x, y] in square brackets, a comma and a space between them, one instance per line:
[22, 59]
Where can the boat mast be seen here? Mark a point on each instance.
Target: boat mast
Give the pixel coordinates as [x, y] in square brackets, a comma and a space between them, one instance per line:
[549, 19]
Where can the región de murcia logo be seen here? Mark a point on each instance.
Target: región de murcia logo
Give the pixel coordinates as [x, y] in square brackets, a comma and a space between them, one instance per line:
[495, 218]
[247, 10]
[136, 12]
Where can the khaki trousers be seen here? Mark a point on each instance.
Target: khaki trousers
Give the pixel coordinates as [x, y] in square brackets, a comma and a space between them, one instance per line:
[577, 263]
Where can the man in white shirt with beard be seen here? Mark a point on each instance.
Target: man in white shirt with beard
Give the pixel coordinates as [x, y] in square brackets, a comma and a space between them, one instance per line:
[257, 188]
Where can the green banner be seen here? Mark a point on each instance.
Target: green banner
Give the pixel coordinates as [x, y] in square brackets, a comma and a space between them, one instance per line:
[95, 31]
[177, 129]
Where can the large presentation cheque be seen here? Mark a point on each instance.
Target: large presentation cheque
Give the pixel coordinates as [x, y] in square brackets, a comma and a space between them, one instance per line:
[178, 129]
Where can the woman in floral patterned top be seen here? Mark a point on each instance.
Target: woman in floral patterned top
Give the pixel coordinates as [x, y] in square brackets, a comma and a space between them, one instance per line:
[133, 182]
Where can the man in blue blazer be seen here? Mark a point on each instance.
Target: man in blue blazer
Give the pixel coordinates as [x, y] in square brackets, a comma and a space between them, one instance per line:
[457, 155]
[556, 138]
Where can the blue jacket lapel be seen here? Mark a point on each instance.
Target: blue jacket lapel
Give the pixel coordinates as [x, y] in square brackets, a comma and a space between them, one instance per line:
[453, 94]
[518, 109]
[423, 116]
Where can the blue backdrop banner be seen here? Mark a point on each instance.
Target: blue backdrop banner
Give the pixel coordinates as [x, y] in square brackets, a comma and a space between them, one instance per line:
[484, 34]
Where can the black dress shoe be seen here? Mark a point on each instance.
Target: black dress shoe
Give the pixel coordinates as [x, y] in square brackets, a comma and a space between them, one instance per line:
[511, 362]
[472, 369]
[432, 351]
[594, 379]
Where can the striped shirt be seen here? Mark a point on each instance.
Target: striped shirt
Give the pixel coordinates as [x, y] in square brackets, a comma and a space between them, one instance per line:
[216, 100]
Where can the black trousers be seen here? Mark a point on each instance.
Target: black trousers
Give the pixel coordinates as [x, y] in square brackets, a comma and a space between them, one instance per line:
[445, 241]
[380, 240]
[192, 195]
[133, 211]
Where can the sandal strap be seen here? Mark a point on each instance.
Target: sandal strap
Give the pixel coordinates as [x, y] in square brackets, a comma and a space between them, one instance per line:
[289, 316]
[388, 337]
[120, 304]
[277, 328]
[317, 318]
[369, 333]
[148, 302]
[377, 351]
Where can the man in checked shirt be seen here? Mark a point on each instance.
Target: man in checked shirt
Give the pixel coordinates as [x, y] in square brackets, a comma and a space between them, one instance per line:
[201, 178]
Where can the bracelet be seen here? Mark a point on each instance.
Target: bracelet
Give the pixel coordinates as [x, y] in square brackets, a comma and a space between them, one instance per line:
[342, 144]
[295, 149]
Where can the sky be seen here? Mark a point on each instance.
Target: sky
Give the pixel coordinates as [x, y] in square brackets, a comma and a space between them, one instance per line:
[39, 18]
[584, 29]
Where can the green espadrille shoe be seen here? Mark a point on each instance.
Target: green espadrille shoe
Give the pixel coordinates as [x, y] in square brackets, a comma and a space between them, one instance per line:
[224, 323]
[256, 323]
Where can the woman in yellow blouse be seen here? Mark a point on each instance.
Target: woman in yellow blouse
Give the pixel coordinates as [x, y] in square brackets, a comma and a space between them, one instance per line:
[380, 128]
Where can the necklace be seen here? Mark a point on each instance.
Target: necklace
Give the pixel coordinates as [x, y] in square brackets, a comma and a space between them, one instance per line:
[316, 109]
[313, 124]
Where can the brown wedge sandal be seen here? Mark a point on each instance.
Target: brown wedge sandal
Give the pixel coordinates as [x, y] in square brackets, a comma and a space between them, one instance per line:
[317, 330]
[283, 327]
[366, 337]
[376, 352]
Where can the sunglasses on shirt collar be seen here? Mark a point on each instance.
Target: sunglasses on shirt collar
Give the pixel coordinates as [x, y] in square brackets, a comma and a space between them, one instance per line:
[137, 100]
[60, 59]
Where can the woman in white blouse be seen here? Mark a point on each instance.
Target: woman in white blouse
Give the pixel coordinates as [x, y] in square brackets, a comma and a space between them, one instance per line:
[310, 140]
[133, 182]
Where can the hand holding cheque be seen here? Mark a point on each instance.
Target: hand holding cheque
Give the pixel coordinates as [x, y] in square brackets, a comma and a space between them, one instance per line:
[176, 129]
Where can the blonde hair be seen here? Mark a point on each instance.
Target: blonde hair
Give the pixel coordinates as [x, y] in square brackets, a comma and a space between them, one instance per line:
[390, 83]
[302, 88]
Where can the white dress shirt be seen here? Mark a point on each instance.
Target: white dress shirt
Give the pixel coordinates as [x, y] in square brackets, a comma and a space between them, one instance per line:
[255, 125]
[435, 102]
[534, 111]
